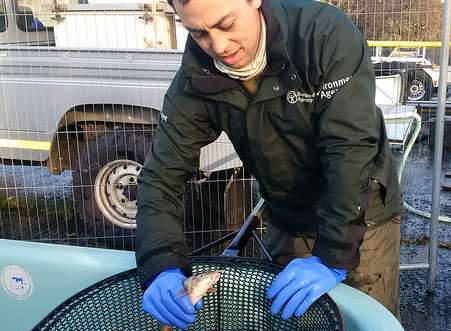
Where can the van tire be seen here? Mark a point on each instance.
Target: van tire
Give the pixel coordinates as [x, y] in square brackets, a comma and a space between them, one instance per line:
[110, 158]
[419, 86]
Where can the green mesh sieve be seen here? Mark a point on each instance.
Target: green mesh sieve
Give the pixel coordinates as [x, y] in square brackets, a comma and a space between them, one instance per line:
[239, 304]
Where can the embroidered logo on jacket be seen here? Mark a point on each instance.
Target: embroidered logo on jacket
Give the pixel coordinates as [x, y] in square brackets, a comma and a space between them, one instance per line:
[297, 96]
[327, 91]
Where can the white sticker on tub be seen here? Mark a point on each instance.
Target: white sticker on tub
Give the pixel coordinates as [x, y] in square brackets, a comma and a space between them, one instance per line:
[17, 282]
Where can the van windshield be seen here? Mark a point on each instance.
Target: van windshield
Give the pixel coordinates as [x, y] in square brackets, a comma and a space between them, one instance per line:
[26, 19]
[2, 16]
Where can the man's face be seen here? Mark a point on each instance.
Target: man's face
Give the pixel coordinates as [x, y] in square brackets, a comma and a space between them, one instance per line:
[227, 30]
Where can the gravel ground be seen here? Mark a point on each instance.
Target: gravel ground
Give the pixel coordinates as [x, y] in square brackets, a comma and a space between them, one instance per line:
[38, 206]
[421, 310]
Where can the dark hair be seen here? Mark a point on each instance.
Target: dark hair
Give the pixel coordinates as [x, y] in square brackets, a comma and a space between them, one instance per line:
[183, 2]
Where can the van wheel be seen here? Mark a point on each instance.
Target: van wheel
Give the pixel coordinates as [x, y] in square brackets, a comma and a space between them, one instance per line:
[419, 86]
[105, 185]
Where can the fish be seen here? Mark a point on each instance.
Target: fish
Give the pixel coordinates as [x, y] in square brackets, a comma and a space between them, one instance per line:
[196, 287]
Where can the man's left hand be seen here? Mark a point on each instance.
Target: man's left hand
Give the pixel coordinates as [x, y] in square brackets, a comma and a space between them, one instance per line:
[300, 284]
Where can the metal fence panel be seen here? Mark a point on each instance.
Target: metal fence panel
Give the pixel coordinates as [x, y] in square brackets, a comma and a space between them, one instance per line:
[81, 87]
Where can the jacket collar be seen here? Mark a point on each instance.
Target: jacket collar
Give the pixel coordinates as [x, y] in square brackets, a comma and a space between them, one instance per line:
[200, 68]
[277, 34]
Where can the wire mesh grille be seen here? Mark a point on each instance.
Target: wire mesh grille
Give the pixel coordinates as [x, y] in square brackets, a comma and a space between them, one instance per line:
[395, 19]
[100, 85]
[115, 304]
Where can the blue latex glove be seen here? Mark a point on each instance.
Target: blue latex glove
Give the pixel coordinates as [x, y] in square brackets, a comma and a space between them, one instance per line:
[163, 301]
[300, 284]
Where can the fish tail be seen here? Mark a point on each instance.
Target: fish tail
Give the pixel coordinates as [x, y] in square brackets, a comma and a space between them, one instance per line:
[165, 327]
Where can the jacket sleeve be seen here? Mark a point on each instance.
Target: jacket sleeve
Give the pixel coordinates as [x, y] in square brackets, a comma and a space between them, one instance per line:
[174, 155]
[347, 138]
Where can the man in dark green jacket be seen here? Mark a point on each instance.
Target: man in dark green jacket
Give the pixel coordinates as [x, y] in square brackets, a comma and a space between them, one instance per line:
[292, 85]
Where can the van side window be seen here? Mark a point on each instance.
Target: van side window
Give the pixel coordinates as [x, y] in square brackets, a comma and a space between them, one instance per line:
[26, 21]
[2, 16]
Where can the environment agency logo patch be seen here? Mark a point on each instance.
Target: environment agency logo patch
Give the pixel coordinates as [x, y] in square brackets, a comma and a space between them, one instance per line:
[327, 91]
[298, 96]
[17, 282]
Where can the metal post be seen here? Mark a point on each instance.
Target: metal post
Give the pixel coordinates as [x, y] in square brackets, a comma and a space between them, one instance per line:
[438, 151]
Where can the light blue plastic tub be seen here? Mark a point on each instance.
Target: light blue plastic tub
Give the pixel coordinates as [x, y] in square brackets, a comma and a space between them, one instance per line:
[45, 275]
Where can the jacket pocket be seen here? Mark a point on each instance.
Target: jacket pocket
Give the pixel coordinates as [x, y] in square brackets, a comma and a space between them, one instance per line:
[376, 212]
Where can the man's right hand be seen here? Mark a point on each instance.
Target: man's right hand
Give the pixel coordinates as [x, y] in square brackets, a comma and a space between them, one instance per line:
[163, 301]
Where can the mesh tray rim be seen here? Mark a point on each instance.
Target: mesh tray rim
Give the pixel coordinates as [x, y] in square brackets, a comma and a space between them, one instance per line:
[237, 261]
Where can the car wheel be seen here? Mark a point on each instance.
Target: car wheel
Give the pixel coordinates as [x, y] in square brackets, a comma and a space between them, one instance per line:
[419, 86]
[105, 185]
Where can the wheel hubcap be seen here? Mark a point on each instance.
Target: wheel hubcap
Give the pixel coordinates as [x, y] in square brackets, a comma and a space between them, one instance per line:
[417, 90]
[116, 192]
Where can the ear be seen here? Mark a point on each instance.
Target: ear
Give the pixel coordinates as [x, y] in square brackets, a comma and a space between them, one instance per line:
[256, 3]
